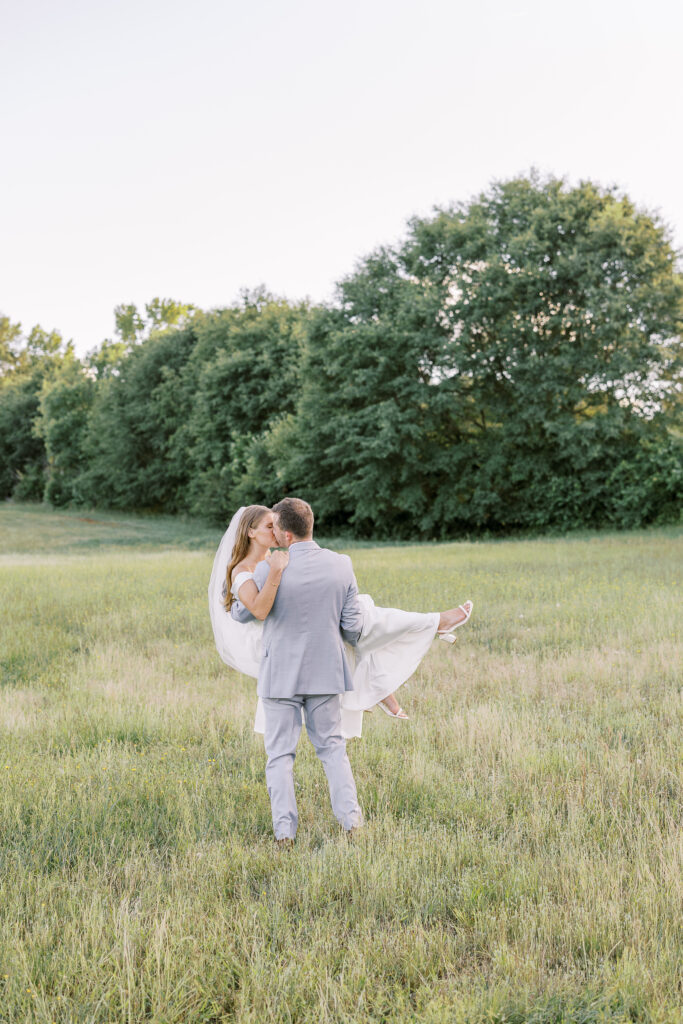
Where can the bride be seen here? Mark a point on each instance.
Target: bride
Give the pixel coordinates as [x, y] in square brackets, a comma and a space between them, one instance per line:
[392, 642]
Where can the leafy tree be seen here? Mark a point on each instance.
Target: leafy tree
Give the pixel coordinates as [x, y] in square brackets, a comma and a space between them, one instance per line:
[131, 458]
[9, 337]
[163, 313]
[27, 363]
[132, 327]
[66, 398]
[496, 369]
[132, 461]
[22, 453]
[243, 377]
[46, 345]
[106, 359]
[176, 414]
[561, 312]
[514, 363]
[370, 437]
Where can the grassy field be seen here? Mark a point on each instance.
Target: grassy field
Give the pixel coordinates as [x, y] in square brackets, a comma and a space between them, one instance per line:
[523, 855]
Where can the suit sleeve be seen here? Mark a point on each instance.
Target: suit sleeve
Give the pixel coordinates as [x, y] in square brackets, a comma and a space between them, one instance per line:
[351, 622]
[239, 613]
[237, 610]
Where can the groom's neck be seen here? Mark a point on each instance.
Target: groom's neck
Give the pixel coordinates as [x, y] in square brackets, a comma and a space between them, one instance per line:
[299, 540]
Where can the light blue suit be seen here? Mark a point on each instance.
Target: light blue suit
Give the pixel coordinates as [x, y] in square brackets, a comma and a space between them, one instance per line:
[304, 667]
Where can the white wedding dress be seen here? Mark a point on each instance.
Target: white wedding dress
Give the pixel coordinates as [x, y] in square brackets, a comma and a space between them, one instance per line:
[391, 646]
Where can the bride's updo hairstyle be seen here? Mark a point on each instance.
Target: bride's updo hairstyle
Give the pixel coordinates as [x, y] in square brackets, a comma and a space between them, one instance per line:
[251, 517]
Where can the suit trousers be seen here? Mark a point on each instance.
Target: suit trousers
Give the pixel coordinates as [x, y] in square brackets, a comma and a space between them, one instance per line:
[323, 725]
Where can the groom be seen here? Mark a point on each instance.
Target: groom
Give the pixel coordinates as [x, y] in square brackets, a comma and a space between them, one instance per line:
[304, 666]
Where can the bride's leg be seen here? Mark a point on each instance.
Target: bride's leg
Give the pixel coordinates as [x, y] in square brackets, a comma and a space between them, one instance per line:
[392, 704]
[454, 616]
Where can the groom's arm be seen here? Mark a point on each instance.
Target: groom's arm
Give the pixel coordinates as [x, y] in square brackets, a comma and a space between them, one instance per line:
[351, 621]
[240, 613]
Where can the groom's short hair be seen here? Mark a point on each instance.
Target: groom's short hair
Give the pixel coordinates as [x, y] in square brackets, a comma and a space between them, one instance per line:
[294, 516]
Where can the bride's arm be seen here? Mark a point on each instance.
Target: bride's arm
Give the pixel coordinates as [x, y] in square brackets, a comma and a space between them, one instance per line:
[257, 600]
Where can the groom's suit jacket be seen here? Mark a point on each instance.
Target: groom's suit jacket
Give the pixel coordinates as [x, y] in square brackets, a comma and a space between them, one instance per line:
[316, 608]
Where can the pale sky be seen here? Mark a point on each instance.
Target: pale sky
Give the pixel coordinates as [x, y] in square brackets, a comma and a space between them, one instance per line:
[189, 150]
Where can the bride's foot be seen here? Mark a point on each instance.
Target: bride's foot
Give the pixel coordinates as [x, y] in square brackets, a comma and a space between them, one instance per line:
[454, 617]
[392, 707]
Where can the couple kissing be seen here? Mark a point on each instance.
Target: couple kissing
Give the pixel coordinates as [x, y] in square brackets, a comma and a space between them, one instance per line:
[288, 612]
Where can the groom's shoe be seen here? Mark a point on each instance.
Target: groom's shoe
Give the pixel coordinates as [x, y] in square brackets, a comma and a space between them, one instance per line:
[284, 844]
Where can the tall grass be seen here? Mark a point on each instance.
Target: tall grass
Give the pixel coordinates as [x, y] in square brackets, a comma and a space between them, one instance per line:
[522, 858]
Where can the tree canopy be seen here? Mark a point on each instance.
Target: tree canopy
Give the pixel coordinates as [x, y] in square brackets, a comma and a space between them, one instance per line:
[513, 363]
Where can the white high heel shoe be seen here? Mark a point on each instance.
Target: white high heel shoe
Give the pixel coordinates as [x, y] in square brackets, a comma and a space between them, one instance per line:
[447, 633]
[387, 711]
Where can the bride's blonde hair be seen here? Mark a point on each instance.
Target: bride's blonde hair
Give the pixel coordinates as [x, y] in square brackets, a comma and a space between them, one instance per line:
[251, 517]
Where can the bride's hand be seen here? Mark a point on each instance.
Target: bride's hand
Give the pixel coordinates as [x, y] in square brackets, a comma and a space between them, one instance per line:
[279, 560]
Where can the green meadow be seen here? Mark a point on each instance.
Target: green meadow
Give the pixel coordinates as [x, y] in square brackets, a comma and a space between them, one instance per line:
[522, 859]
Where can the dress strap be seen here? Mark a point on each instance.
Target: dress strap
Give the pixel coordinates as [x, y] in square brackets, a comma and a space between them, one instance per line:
[239, 579]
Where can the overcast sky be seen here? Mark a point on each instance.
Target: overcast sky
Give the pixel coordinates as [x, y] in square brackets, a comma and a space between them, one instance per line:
[189, 150]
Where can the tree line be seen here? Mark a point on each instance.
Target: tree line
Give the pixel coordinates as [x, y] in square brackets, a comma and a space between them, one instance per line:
[513, 363]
